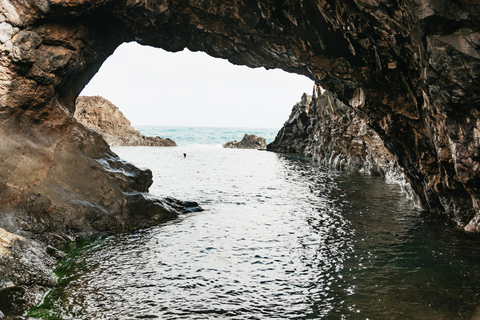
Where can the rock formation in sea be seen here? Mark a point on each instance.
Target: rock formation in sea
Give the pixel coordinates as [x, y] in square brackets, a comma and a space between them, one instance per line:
[322, 127]
[409, 69]
[99, 114]
[249, 141]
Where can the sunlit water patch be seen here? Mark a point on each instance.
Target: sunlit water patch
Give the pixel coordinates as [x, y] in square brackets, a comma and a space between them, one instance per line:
[279, 239]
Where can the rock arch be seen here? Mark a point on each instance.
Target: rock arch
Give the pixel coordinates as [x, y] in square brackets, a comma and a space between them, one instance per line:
[408, 68]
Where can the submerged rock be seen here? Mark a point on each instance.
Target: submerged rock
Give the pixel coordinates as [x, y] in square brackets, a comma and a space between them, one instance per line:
[249, 141]
[99, 114]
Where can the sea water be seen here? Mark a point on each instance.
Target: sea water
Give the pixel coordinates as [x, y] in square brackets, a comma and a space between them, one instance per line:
[211, 136]
[280, 238]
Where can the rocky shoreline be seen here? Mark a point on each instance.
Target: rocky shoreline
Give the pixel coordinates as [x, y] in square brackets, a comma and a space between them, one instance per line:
[323, 128]
[27, 258]
[102, 116]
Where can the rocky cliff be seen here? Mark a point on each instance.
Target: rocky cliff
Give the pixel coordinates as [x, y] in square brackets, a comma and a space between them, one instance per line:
[330, 132]
[409, 69]
[99, 114]
[249, 141]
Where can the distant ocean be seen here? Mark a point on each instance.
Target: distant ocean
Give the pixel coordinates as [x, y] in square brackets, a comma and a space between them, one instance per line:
[213, 136]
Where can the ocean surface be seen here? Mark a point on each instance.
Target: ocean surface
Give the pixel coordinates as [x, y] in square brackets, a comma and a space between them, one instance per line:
[280, 238]
[188, 136]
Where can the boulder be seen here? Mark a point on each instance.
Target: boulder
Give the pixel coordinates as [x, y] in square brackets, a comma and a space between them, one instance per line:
[249, 141]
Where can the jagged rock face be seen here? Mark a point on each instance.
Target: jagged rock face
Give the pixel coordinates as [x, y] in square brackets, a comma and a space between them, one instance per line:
[249, 141]
[295, 135]
[322, 127]
[325, 129]
[409, 69]
[102, 116]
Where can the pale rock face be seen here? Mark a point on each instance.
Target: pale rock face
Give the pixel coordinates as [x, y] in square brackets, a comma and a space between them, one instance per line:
[104, 117]
[463, 40]
[6, 32]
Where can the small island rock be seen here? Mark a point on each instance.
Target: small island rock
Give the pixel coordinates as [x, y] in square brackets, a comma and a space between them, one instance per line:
[249, 141]
[102, 116]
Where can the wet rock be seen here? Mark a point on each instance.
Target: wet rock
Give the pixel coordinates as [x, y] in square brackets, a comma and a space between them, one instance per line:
[322, 127]
[55, 253]
[104, 117]
[183, 206]
[25, 273]
[249, 141]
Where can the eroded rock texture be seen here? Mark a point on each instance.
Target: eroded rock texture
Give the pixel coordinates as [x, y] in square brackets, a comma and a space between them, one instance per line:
[25, 269]
[322, 127]
[409, 69]
[325, 129]
[102, 116]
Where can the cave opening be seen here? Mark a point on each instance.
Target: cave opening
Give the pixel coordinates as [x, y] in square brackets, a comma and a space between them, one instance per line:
[155, 87]
[402, 66]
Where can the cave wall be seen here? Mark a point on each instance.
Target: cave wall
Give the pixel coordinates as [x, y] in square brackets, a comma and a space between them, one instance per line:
[409, 69]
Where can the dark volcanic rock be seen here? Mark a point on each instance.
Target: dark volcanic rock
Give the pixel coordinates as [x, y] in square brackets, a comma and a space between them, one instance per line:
[99, 114]
[409, 69]
[294, 135]
[322, 127]
[249, 141]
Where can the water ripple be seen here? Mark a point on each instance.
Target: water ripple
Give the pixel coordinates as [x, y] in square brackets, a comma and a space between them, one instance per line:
[279, 239]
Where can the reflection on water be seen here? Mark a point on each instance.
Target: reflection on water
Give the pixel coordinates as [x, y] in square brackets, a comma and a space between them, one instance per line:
[278, 239]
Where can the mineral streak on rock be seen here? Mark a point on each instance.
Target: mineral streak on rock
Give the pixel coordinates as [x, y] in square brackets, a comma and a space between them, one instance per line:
[249, 141]
[409, 69]
[104, 117]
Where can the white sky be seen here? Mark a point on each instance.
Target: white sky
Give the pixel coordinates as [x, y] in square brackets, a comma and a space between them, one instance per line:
[155, 87]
